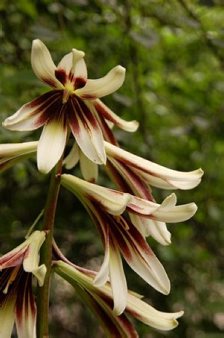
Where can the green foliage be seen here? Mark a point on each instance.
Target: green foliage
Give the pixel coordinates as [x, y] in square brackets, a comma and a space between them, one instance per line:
[174, 55]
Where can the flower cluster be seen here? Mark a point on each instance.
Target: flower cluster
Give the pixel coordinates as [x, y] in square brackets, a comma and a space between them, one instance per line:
[125, 218]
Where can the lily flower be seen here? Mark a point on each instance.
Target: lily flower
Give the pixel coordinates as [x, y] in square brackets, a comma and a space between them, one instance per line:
[128, 167]
[136, 175]
[72, 104]
[17, 302]
[10, 153]
[119, 236]
[100, 300]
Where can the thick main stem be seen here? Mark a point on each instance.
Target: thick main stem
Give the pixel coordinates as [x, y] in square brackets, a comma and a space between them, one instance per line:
[46, 252]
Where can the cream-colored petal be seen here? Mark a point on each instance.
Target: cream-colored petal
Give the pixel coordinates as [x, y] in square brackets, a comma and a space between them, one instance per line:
[102, 276]
[88, 168]
[169, 201]
[141, 258]
[51, 145]
[103, 86]
[113, 201]
[147, 314]
[142, 206]
[174, 178]
[150, 269]
[157, 230]
[40, 274]
[86, 131]
[111, 117]
[66, 63]
[43, 65]
[79, 66]
[72, 158]
[34, 241]
[26, 320]
[9, 151]
[35, 113]
[118, 281]
[7, 317]
[24, 119]
[175, 214]
[148, 227]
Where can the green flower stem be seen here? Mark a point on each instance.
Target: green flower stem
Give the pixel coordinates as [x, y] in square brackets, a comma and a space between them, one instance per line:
[46, 252]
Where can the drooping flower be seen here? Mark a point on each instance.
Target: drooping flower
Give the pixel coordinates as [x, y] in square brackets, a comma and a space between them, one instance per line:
[100, 301]
[136, 175]
[152, 174]
[72, 104]
[17, 303]
[119, 236]
[11, 153]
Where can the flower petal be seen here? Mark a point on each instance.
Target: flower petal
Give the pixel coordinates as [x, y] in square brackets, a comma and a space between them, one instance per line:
[86, 131]
[154, 228]
[79, 69]
[175, 179]
[117, 280]
[141, 258]
[113, 201]
[43, 65]
[7, 317]
[102, 275]
[34, 114]
[103, 86]
[88, 168]
[51, 145]
[147, 314]
[26, 310]
[108, 114]
[128, 181]
[72, 158]
[32, 258]
[66, 63]
[72, 67]
[10, 150]
[175, 214]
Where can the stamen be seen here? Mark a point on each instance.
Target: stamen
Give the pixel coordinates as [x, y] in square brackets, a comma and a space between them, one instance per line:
[11, 278]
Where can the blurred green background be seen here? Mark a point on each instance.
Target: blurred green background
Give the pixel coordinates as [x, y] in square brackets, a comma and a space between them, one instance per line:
[174, 55]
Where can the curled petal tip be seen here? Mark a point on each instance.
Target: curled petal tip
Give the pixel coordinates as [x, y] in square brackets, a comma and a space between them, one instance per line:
[120, 69]
[78, 53]
[37, 43]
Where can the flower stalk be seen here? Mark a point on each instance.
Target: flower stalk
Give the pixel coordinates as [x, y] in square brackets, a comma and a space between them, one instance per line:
[46, 252]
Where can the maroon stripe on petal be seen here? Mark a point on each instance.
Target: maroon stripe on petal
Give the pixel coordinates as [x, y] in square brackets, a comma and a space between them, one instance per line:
[25, 299]
[43, 98]
[106, 130]
[79, 82]
[72, 117]
[61, 75]
[86, 113]
[51, 109]
[79, 108]
[126, 178]
[50, 82]
[101, 109]
[117, 178]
